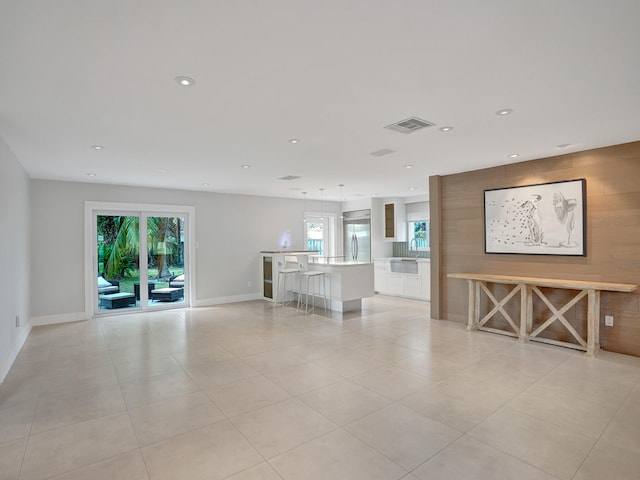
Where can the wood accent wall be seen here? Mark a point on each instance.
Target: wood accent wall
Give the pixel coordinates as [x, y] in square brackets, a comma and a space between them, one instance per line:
[613, 237]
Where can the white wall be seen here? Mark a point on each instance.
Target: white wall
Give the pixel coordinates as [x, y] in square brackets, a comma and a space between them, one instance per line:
[230, 231]
[14, 257]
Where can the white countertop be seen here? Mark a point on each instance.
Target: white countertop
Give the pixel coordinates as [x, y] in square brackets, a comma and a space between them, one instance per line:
[289, 252]
[419, 259]
[338, 263]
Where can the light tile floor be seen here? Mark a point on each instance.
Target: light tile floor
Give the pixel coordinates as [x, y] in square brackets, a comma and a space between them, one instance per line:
[247, 391]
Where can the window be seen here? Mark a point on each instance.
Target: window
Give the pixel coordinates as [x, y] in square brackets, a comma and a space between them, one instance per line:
[315, 235]
[419, 235]
[418, 226]
[318, 234]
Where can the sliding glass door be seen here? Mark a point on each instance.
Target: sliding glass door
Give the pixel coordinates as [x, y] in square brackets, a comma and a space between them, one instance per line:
[141, 260]
[118, 255]
[165, 259]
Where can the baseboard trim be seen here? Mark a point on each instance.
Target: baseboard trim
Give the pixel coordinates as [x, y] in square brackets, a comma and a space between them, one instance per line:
[61, 318]
[13, 354]
[230, 299]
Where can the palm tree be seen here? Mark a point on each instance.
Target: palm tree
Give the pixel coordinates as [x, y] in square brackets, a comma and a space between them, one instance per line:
[121, 243]
[122, 251]
[157, 230]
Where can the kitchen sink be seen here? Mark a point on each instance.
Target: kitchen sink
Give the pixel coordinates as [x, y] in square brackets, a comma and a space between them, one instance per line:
[404, 265]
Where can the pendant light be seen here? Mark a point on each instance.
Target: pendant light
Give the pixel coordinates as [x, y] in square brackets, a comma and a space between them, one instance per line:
[321, 204]
[304, 207]
[304, 219]
[341, 187]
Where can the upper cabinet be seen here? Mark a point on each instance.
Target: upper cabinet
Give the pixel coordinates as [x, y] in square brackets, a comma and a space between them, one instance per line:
[395, 222]
[389, 220]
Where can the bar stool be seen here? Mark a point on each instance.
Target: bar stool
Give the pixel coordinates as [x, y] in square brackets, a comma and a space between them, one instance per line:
[283, 275]
[310, 276]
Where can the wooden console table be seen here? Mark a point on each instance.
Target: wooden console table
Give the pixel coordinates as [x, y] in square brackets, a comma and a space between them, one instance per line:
[527, 287]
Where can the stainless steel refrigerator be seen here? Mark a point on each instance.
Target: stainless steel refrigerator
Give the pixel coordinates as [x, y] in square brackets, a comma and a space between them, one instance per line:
[357, 236]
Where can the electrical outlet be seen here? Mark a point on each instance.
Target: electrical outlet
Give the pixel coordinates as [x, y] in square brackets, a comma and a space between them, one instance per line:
[608, 320]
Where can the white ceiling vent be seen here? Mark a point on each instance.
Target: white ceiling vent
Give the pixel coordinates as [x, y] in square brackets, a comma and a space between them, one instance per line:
[409, 125]
[382, 152]
[289, 177]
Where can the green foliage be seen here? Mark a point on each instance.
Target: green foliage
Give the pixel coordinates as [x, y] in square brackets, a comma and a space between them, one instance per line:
[121, 253]
[119, 245]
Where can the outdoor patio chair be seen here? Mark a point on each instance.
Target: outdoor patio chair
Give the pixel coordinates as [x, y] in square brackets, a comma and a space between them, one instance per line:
[107, 286]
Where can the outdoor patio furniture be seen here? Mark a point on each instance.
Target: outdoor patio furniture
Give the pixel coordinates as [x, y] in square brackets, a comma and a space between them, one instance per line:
[167, 294]
[177, 282]
[136, 289]
[107, 286]
[117, 300]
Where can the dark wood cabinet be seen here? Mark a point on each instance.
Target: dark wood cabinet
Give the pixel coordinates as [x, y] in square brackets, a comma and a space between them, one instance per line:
[267, 276]
[389, 221]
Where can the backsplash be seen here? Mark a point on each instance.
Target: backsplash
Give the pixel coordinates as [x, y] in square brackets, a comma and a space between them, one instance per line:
[401, 249]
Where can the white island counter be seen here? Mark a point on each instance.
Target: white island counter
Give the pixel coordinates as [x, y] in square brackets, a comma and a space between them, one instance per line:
[350, 283]
[347, 282]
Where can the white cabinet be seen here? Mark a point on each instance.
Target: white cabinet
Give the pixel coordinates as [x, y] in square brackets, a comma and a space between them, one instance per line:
[395, 284]
[380, 272]
[424, 268]
[410, 285]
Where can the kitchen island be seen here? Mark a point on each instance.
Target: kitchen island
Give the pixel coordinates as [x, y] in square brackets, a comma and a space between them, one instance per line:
[272, 262]
[350, 282]
[347, 282]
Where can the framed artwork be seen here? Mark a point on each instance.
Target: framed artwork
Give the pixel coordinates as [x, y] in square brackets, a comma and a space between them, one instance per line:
[543, 219]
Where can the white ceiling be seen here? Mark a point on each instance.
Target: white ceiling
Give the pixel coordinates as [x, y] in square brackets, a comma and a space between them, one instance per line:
[332, 73]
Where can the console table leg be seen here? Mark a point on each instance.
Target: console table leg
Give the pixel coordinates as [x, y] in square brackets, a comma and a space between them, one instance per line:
[472, 314]
[524, 332]
[593, 322]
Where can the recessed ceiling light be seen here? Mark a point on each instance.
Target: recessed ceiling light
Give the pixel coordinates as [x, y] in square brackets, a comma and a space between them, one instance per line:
[504, 111]
[514, 155]
[205, 184]
[91, 174]
[294, 141]
[185, 81]
[564, 145]
[97, 147]
[408, 166]
[246, 166]
[446, 129]
[162, 170]
[412, 188]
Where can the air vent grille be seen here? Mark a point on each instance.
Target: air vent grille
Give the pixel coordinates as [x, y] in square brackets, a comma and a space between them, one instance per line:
[382, 152]
[409, 125]
[289, 177]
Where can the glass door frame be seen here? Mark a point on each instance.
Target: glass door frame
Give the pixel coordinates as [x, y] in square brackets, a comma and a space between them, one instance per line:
[143, 211]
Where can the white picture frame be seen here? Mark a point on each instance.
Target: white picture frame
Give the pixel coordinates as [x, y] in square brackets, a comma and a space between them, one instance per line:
[543, 219]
